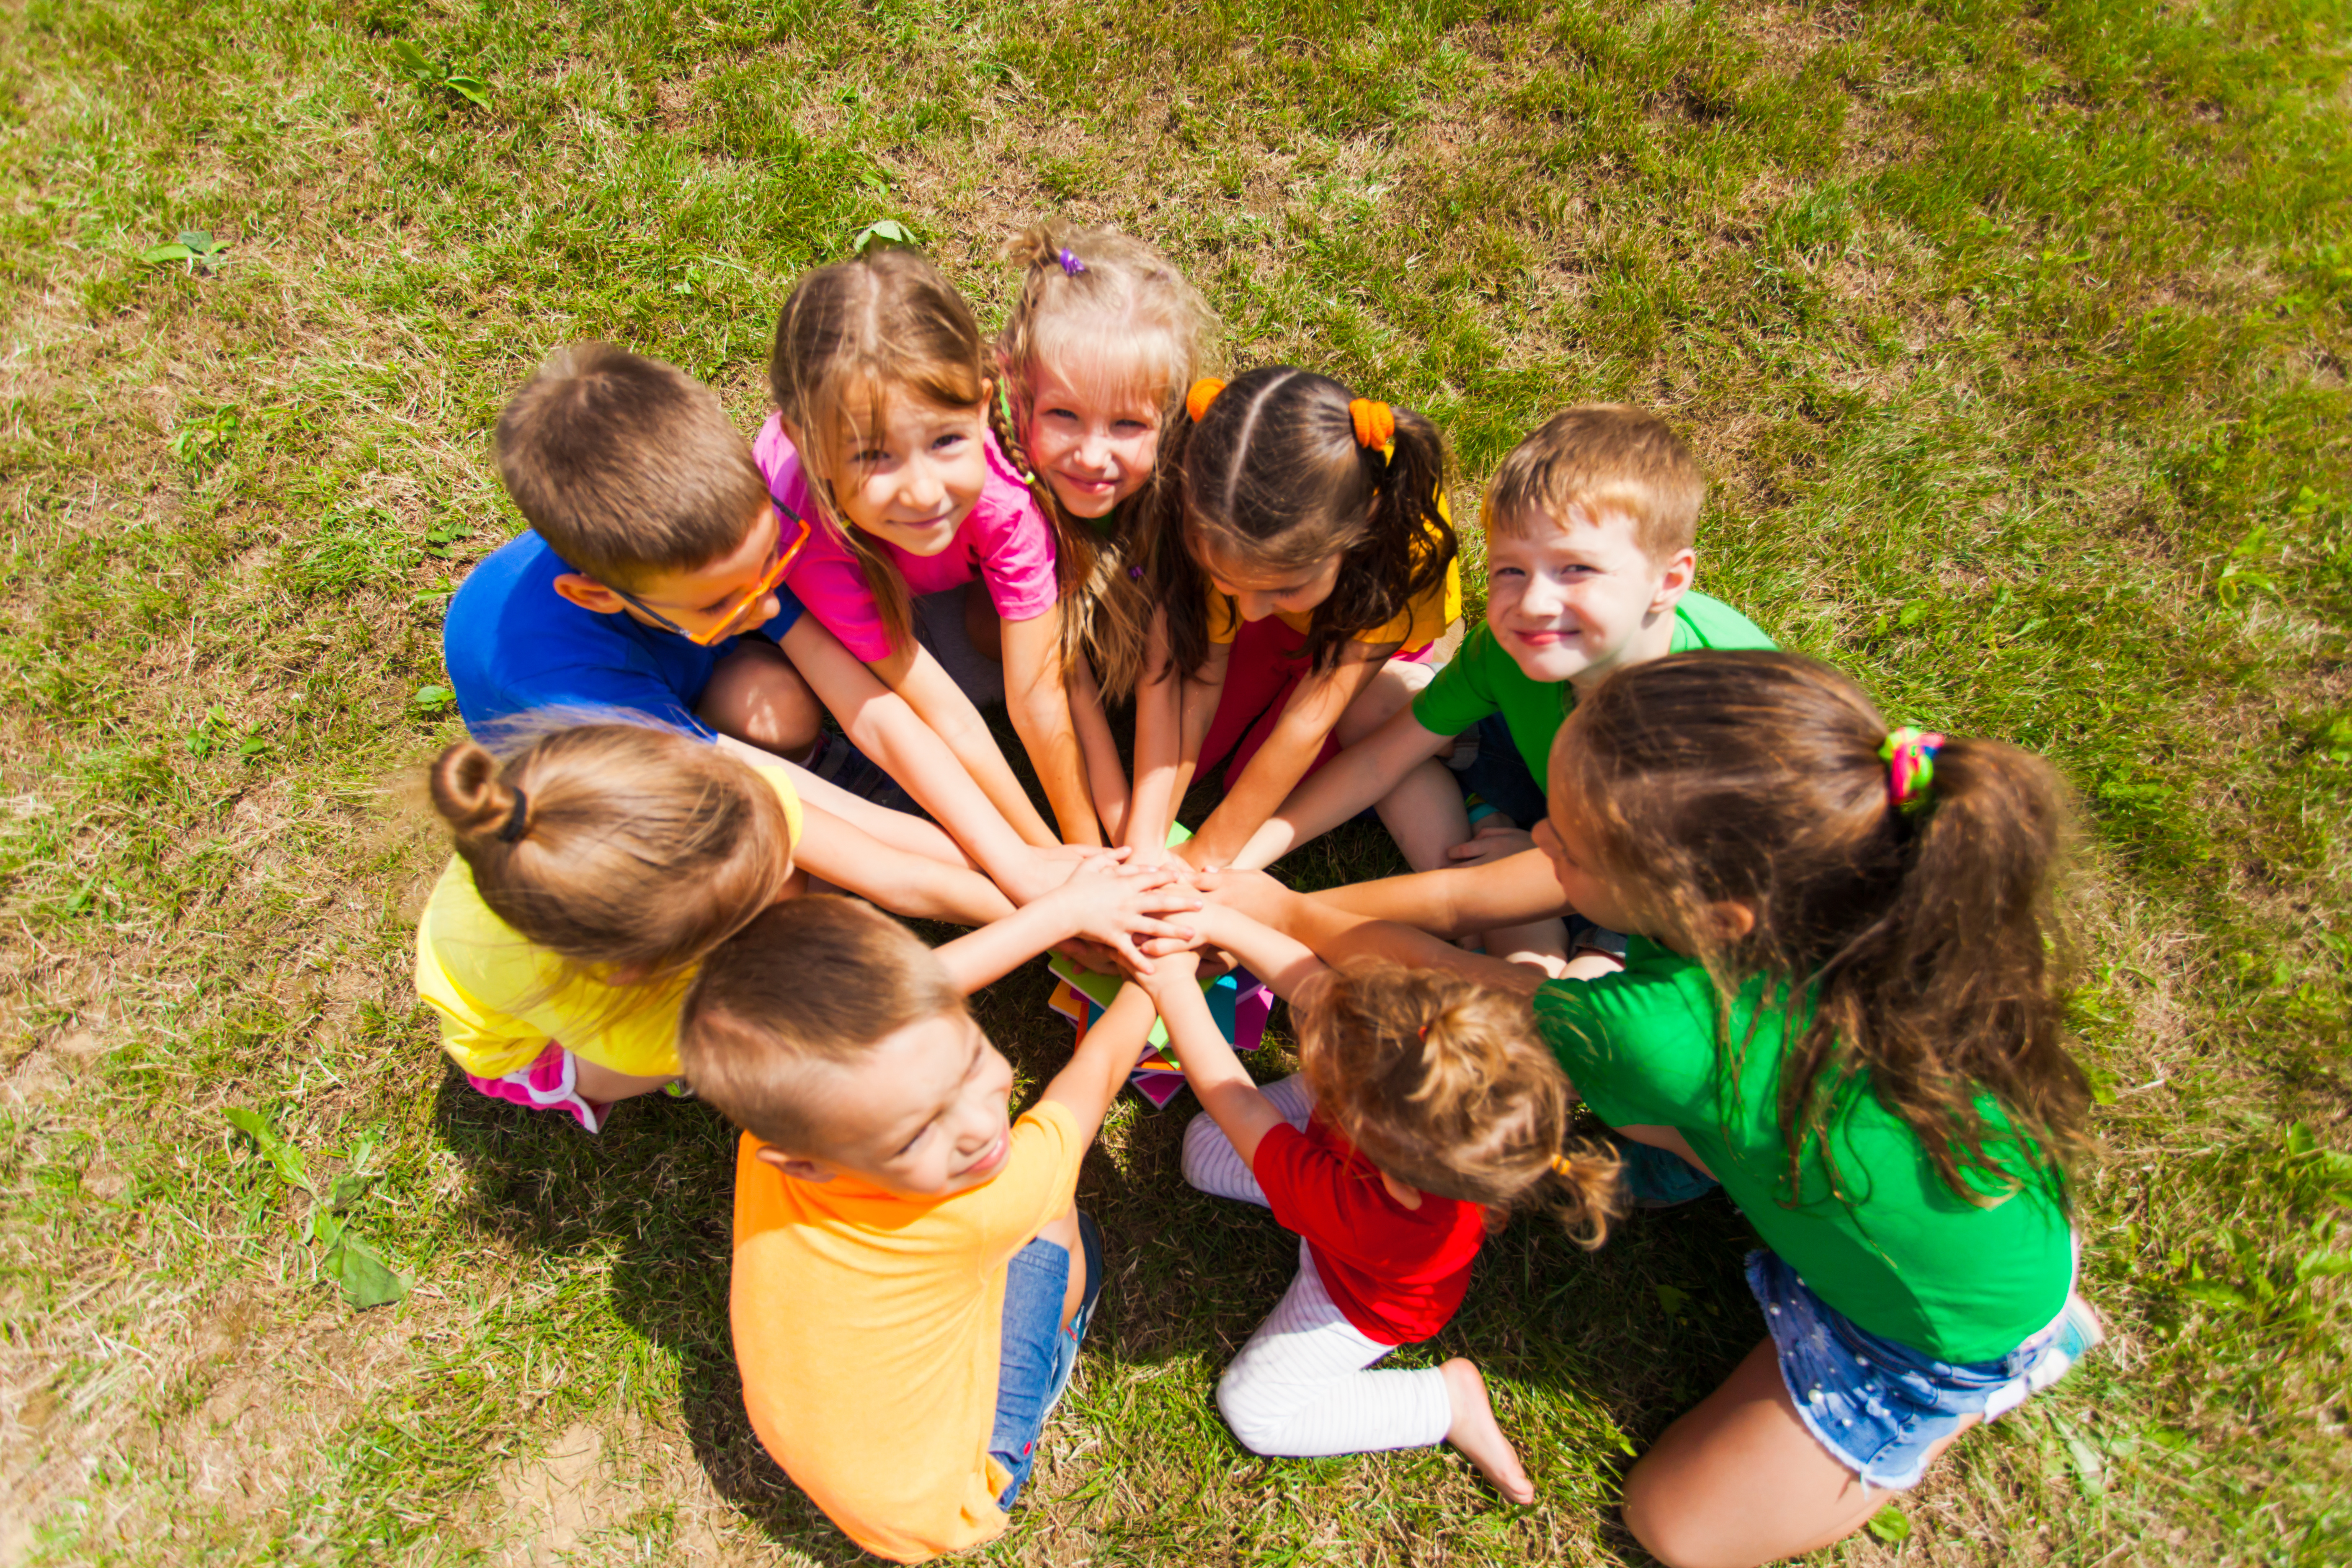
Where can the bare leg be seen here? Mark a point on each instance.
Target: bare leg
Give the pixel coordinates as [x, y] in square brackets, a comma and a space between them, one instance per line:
[756, 696]
[1479, 1435]
[603, 1086]
[1737, 1481]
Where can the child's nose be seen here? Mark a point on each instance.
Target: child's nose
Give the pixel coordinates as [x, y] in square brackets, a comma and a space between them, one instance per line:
[922, 489]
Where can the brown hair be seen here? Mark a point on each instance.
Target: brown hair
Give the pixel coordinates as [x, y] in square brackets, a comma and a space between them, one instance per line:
[817, 979]
[1275, 477]
[1925, 936]
[1126, 306]
[626, 847]
[1445, 1084]
[1601, 457]
[850, 336]
[627, 467]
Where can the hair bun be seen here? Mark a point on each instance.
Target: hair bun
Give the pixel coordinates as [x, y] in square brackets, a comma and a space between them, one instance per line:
[467, 790]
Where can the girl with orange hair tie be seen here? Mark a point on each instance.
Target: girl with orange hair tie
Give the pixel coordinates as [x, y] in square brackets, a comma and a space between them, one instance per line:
[1306, 576]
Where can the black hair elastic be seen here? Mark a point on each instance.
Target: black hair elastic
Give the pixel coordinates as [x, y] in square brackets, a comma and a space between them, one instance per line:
[515, 824]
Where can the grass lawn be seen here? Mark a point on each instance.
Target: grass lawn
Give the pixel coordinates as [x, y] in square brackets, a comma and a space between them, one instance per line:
[2013, 335]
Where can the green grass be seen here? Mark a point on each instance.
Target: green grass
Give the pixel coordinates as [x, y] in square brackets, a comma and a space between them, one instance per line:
[2015, 338]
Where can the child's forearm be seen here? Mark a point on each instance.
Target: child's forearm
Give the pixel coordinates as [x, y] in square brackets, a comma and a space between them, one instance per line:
[1106, 772]
[984, 956]
[1040, 700]
[1335, 934]
[1099, 1069]
[1350, 783]
[1215, 1074]
[1306, 721]
[883, 725]
[941, 704]
[1455, 903]
[899, 880]
[1158, 751]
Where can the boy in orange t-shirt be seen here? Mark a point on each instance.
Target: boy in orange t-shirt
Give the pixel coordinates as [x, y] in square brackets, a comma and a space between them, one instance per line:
[912, 1276]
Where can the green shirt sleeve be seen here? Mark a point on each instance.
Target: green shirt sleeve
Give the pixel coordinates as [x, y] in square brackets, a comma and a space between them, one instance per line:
[1638, 1045]
[1702, 621]
[1463, 692]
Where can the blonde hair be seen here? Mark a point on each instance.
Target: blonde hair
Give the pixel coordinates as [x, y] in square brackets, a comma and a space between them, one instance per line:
[1601, 457]
[617, 846]
[1445, 1084]
[818, 979]
[627, 466]
[1124, 305]
[850, 336]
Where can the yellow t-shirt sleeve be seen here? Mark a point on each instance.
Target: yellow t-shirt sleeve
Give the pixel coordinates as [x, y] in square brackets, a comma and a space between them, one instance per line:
[1221, 614]
[781, 781]
[501, 1000]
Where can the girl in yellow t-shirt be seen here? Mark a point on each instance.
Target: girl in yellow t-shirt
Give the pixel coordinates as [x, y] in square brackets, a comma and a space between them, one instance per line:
[1311, 568]
[595, 868]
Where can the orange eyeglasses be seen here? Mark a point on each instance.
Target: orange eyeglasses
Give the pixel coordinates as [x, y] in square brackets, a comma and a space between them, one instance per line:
[783, 562]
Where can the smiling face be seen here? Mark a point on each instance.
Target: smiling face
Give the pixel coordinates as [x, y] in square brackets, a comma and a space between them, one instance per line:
[925, 1113]
[1258, 593]
[1093, 440]
[1575, 598]
[909, 471]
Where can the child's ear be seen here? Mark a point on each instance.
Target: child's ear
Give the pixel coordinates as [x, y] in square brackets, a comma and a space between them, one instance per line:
[1674, 582]
[1731, 919]
[793, 1165]
[588, 594]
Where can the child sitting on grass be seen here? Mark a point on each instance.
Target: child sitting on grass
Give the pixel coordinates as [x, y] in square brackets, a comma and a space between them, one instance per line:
[649, 583]
[911, 1276]
[1426, 1110]
[596, 866]
[1590, 524]
[1098, 350]
[881, 439]
[1309, 571]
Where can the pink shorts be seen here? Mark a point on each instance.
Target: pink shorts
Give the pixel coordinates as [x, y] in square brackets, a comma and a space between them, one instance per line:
[1266, 664]
[546, 1085]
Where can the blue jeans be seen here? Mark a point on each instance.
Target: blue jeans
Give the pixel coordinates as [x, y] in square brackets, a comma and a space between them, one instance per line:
[1877, 1405]
[1038, 1357]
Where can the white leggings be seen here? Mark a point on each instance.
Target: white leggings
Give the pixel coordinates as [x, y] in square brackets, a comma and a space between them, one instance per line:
[1300, 1387]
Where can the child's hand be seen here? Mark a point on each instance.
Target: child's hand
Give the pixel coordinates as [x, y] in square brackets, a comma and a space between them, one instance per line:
[1495, 840]
[1046, 869]
[1115, 905]
[1177, 969]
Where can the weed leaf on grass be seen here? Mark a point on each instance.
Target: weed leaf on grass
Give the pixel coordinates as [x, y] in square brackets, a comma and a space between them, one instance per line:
[367, 1281]
[1891, 1524]
[281, 1154]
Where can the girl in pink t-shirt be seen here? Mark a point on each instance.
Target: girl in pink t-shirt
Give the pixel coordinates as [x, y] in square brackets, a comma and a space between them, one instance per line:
[881, 441]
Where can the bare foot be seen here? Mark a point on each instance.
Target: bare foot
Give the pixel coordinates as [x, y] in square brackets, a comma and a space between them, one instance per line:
[1479, 1435]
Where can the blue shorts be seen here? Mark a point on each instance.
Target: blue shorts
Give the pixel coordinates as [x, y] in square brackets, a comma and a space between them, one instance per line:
[1498, 775]
[1879, 1406]
[1038, 1357]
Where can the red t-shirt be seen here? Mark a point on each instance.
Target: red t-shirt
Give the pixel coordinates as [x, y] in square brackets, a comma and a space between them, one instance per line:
[1396, 1274]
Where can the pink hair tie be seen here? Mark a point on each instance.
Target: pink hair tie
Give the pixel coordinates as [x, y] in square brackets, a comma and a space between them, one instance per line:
[1910, 758]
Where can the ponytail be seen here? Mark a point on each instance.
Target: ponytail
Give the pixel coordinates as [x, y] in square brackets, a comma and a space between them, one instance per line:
[624, 847]
[1905, 929]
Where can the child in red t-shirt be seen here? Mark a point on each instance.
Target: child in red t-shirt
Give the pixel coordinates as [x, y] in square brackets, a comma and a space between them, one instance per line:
[1425, 1104]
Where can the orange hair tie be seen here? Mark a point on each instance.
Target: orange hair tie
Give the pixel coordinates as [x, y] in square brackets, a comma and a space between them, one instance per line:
[1203, 392]
[1375, 423]
[1561, 1167]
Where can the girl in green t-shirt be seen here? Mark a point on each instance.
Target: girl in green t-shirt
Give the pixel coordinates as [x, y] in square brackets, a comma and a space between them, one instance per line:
[1840, 1001]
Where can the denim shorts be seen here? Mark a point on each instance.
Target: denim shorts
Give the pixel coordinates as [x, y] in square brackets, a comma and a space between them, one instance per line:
[1038, 1357]
[1879, 1406]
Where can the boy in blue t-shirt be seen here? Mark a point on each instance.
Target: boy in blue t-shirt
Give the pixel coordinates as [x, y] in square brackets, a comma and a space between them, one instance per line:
[652, 582]
[1591, 523]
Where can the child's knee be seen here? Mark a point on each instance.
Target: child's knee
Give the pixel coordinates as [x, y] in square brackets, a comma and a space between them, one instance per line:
[1661, 1516]
[756, 696]
[1205, 1148]
[1253, 1426]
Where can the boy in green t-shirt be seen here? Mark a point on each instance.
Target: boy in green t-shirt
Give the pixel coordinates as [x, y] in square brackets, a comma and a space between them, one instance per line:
[1591, 523]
